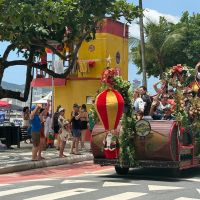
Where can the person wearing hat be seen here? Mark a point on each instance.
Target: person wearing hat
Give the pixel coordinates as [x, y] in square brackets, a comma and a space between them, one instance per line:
[76, 129]
[64, 136]
[35, 131]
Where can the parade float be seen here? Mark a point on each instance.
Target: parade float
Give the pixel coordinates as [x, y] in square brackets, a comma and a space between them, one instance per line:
[128, 143]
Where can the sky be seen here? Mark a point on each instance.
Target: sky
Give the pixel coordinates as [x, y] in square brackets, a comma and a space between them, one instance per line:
[171, 9]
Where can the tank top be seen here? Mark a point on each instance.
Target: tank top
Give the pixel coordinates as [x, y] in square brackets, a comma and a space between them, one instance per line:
[76, 124]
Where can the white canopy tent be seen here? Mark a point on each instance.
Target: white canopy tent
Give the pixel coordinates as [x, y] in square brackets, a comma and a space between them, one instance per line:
[44, 100]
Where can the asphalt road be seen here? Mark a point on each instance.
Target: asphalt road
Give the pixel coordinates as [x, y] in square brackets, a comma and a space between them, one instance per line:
[86, 181]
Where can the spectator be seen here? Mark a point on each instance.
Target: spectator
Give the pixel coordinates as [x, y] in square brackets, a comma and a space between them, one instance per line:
[158, 107]
[168, 114]
[138, 104]
[162, 89]
[55, 125]
[64, 136]
[76, 125]
[47, 129]
[83, 116]
[91, 125]
[147, 100]
[26, 117]
[61, 121]
[42, 134]
[35, 131]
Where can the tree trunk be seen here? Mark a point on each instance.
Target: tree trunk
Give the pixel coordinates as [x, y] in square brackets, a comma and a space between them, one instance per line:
[144, 70]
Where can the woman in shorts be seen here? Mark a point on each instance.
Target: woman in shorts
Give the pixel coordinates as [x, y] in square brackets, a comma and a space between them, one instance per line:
[35, 131]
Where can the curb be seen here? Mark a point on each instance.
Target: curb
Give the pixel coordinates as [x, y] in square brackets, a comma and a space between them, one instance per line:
[46, 163]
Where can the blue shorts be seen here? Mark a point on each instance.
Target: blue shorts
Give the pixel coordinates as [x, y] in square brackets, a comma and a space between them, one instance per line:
[76, 132]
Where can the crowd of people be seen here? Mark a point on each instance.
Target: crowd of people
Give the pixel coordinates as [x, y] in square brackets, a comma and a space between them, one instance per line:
[159, 107]
[49, 131]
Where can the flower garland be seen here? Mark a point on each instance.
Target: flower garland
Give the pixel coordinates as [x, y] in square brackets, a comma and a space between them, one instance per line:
[180, 76]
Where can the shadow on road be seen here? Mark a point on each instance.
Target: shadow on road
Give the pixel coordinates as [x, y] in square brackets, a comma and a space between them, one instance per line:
[158, 175]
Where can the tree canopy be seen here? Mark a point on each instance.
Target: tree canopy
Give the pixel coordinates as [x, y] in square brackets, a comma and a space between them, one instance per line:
[168, 44]
[30, 26]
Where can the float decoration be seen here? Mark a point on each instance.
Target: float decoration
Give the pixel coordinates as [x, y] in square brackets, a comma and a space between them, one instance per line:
[180, 76]
[112, 80]
[186, 83]
[109, 106]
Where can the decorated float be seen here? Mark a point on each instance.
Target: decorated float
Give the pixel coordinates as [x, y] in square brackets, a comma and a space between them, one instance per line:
[118, 139]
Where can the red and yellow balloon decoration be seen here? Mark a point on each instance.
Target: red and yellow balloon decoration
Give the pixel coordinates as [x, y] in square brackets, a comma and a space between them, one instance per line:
[109, 106]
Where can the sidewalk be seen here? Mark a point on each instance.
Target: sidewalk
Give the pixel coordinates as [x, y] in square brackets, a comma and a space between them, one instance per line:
[19, 159]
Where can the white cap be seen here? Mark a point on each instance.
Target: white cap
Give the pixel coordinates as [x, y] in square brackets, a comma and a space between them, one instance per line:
[61, 109]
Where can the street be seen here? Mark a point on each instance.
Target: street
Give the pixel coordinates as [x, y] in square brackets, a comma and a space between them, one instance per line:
[87, 181]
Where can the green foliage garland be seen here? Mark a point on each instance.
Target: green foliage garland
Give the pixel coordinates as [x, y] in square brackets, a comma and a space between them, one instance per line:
[127, 150]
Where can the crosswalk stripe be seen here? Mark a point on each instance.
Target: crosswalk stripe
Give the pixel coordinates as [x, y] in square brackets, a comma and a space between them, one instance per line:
[2, 185]
[77, 181]
[193, 179]
[124, 196]
[63, 194]
[21, 190]
[39, 180]
[115, 184]
[158, 187]
[198, 190]
[185, 198]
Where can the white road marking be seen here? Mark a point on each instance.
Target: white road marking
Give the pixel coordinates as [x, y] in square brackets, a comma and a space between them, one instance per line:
[77, 181]
[63, 194]
[98, 174]
[198, 190]
[1, 185]
[193, 179]
[124, 196]
[115, 184]
[39, 180]
[185, 198]
[158, 187]
[21, 190]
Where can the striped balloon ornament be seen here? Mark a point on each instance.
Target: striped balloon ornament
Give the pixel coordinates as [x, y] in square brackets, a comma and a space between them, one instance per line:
[109, 106]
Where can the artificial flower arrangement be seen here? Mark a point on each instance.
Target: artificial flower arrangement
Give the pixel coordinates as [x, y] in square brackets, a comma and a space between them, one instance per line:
[180, 76]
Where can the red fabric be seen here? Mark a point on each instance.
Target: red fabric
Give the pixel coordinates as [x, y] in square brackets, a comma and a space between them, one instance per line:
[120, 107]
[101, 108]
[111, 154]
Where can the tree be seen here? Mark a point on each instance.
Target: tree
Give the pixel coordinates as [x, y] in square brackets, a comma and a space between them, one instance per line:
[142, 45]
[162, 46]
[168, 44]
[30, 26]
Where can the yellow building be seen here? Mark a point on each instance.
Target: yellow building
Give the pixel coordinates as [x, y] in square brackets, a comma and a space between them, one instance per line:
[110, 48]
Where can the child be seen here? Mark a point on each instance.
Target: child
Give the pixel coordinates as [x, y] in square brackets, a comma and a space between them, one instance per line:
[64, 136]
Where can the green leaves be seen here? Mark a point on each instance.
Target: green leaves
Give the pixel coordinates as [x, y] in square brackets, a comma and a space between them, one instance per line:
[26, 21]
[169, 44]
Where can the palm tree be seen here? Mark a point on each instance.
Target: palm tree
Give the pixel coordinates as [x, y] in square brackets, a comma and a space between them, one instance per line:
[144, 71]
[161, 47]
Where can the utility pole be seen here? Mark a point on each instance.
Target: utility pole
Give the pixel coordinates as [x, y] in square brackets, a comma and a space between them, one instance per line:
[144, 70]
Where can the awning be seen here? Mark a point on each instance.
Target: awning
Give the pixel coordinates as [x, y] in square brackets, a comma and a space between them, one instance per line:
[4, 104]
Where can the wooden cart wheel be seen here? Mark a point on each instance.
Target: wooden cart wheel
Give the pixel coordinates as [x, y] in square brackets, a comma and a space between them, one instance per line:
[121, 170]
[176, 172]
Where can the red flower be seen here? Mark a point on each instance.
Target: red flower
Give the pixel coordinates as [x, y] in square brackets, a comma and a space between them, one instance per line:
[178, 69]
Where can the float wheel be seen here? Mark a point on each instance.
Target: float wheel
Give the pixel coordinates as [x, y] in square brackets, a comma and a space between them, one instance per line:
[121, 170]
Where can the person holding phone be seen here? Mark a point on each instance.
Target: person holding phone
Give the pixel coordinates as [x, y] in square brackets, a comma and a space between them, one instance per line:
[35, 131]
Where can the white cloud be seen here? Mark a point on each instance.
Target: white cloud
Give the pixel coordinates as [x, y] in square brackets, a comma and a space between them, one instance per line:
[152, 15]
